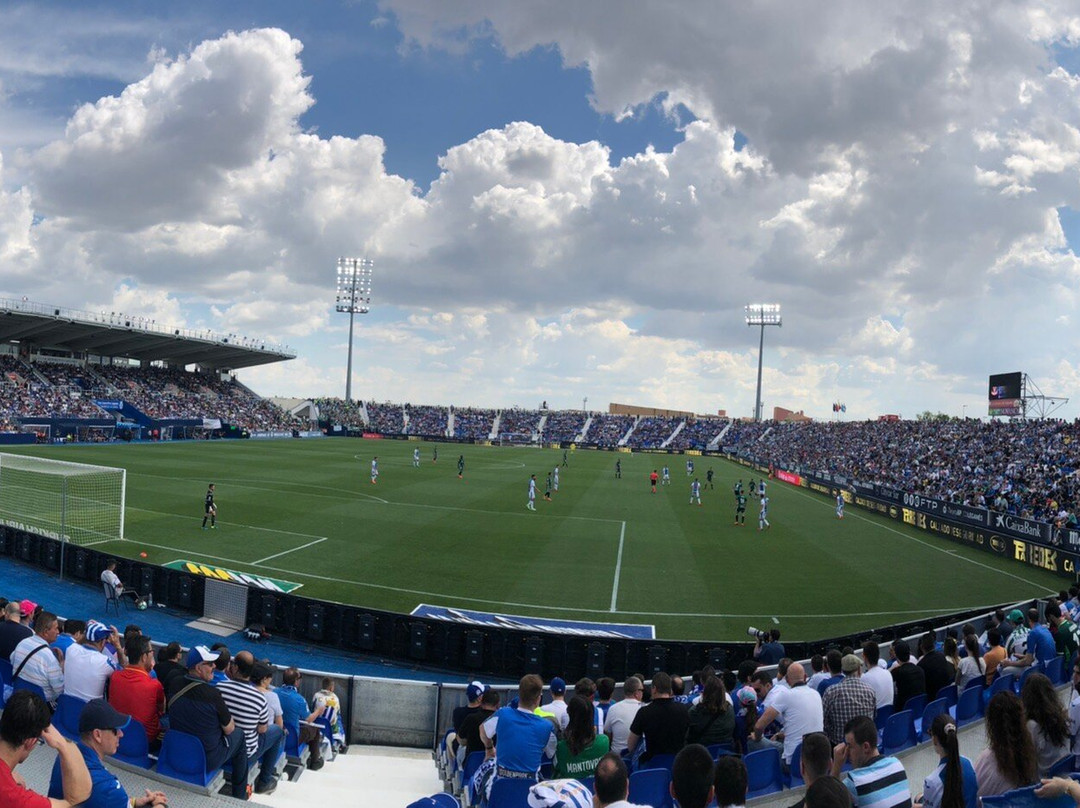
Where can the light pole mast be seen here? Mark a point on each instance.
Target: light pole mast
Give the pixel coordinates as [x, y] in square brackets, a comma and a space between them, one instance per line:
[762, 314]
[354, 297]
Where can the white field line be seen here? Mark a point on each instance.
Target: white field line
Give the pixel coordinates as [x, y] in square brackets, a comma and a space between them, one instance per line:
[293, 550]
[618, 570]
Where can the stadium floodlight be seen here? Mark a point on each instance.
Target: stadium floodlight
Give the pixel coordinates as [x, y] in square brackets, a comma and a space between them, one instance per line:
[762, 314]
[354, 297]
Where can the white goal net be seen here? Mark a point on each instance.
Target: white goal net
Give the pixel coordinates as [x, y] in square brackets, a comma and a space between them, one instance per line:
[76, 502]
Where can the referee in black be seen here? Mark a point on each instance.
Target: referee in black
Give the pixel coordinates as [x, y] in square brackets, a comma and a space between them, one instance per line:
[209, 508]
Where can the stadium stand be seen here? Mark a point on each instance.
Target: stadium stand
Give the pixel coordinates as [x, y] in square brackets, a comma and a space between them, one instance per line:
[521, 422]
[386, 419]
[608, 430]
[564, 426]
[473, 424]
[697, 434]
[427, 420]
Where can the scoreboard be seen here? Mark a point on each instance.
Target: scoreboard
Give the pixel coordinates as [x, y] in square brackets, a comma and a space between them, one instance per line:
[1007, 394]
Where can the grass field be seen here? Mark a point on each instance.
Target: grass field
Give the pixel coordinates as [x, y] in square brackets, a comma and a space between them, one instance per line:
[602, 550]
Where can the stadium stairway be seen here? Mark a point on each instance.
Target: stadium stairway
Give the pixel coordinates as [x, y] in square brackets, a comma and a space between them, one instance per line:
[77, 600]
[495, 424]
[584, 430]
[371, 776]
[714, 444]
[673, 435]
[626, 438]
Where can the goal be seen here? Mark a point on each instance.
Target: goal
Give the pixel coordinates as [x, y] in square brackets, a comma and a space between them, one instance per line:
[515, 439]
[73, 502]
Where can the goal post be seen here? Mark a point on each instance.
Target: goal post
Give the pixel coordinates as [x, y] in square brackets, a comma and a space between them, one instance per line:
[72, 502]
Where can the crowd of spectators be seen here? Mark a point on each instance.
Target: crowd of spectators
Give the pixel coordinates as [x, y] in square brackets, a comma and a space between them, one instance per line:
[386, 419]
[1026, 468]
[473, 423]
[339, 411]
[520, 422]
[608, 430]
[697, 434]
[651, 432]
[832, 715]
[117, 680]
[426, 419]
[564, 425]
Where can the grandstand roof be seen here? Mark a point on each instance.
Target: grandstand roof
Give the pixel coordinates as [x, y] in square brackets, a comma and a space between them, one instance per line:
[118, 335]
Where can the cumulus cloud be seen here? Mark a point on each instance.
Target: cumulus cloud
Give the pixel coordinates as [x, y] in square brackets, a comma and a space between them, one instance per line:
[898, 195]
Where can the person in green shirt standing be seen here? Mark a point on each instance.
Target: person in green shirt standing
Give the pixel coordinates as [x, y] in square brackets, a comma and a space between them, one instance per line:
[580, 750]
[1067, 635]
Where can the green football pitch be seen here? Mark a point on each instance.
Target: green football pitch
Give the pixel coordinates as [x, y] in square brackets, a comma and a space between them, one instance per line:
[603, 549]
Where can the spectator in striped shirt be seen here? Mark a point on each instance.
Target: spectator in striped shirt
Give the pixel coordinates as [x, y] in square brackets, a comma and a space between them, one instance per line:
[263, 739]
[875, 780]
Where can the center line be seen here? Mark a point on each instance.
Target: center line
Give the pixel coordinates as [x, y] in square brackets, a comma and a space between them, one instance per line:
[618, 569]
[286, 552]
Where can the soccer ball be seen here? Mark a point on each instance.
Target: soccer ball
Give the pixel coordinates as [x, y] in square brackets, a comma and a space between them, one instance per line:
[141, 605]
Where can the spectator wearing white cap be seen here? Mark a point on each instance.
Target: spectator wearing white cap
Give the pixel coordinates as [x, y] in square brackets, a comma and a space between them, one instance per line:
[35, 662]
[100, 730]
[87, 668]
[12, 631]
[198, 709]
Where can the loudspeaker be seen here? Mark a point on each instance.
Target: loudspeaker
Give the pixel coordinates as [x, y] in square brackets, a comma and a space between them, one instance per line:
[534, 655]
[718, 658]
[5, 538]
[268, 612]
[81, 558]
[657, 659]
[23, 546]
[143, 580]
[418, 641]
[474, 649]
[315, 622]
[183, 591]
[51, 555]
[595, 660]
[365, 624]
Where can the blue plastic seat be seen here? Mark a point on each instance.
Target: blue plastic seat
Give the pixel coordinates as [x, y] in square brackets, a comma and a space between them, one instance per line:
[1063, 768]
[978, 681]
[22, 684]
[6, 672]
[763, 773]
[66, 717]
[1000, 683]
[442, 799]
[1055, 670]
[658, 762]
[882, 715]
[929, 713]
[509, 792]
[794, 779]
[182, 757]
[651, 787]
[916, 704]
[1023, 677]
[134, 748]
[717, 749]
[970, 706]
[949, 693]
[899, 733]
[1025, 798]
[468, 769]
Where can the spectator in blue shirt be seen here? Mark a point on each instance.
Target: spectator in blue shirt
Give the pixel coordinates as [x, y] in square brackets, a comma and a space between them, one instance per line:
[100, 730]
[298, 718]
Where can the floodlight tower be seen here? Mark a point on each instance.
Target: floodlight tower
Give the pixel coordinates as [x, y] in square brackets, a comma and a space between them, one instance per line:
[762, 314]
[354, 297]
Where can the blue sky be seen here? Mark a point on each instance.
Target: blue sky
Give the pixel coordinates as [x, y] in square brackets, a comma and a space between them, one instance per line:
[898, 180]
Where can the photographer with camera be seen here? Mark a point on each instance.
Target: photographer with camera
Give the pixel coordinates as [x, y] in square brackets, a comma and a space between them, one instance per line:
[768, 650]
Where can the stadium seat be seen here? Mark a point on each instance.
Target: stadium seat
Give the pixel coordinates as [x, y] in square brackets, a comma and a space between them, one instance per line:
[969, 707]
[882, 716]
[978, 681]
[718, 749]
[1018, 685]
[916, 704]
[22, 684]
[296, 756]
[1000, 683]
[658, 762]
[66, 717]
[1063, 768]
[182, 757]
[929, 713]
[1025, 798]
[899, 733]
[1055, 670]
[588, 782]
[509, 792]
[763, 773]
[440, 800]
[134, 748]
[794, 778]
[949, 693]
[650, 787]
[468, 769]
[6, 672]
